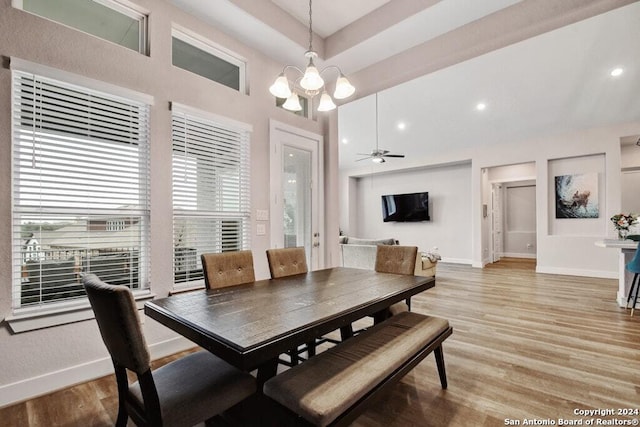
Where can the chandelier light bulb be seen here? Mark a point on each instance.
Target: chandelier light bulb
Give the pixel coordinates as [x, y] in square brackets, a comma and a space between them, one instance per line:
[292, 103]
[280, 88]
[326, 103]
[311, 80]
[344, 88]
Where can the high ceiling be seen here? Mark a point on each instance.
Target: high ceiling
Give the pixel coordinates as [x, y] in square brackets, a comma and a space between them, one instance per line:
[549, 75]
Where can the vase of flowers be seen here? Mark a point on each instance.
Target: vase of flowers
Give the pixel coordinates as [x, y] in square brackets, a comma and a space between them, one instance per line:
[622, 222]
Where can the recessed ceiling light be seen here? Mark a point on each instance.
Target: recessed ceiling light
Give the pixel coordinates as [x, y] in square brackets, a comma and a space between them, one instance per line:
[616, 72]
[481, 106]
[345, 141]
[402, 125]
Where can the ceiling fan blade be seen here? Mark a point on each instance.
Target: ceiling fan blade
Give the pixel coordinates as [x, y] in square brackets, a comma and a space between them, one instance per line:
[364, 158]
[365, 154]
[393, 155]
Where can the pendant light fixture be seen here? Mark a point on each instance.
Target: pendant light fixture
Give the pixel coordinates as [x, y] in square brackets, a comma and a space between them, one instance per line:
[310, 81]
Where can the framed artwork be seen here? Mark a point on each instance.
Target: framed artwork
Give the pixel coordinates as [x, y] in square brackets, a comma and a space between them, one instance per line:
[577, 196]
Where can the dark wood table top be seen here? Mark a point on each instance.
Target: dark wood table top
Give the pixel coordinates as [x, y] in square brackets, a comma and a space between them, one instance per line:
[248, 325]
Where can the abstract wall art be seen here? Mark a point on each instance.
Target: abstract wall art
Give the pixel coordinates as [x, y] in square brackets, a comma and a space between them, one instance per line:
[577, 196]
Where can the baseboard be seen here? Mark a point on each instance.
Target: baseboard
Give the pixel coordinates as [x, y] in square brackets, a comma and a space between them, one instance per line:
[518, 255]
[622, 302]
[577, 272]
[52, 381]
[457, 261]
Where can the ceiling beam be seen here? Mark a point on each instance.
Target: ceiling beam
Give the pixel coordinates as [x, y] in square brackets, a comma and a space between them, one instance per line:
[513, 24]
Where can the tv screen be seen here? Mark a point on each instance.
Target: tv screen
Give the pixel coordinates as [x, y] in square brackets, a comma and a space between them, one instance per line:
[405, 207]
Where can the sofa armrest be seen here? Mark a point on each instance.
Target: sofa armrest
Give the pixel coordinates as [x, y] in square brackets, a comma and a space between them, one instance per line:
[425, 267]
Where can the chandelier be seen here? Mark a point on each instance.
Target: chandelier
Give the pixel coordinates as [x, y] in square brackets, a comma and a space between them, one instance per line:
[311, 82]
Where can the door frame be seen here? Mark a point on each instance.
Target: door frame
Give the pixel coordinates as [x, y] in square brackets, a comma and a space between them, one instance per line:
[317, 188]
[497, 222]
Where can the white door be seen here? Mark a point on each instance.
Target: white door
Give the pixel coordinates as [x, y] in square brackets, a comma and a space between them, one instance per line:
[296, 191]
[496, 221]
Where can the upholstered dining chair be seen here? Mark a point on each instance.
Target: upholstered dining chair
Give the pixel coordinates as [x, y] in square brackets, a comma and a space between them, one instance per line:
[399, 260]
[285, 262]
[184, 392]
[227, 269]
[633, 266]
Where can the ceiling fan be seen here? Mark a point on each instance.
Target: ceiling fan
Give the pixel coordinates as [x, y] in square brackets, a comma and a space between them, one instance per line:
[377, 155]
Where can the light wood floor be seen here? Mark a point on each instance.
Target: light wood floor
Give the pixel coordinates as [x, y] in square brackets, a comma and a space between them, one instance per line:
[524, 346]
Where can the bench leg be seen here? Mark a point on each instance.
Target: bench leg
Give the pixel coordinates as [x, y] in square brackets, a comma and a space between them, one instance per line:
[440, 363]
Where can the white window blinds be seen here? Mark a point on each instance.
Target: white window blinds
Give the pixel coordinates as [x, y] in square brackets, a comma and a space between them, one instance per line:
[211, 198]
[80, 189]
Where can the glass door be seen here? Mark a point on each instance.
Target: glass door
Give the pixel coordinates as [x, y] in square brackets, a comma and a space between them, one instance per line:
[296, 200]
[296, 197]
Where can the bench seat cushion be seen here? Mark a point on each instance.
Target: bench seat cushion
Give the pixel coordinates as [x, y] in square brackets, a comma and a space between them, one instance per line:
[326, 385]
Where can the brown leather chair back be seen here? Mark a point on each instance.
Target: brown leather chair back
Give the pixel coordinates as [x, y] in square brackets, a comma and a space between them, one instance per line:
[396, 259]
[227, 269]
[286, 262]
[117, 316]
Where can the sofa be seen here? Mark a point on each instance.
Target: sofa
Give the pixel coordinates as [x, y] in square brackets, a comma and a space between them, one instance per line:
[361, 253]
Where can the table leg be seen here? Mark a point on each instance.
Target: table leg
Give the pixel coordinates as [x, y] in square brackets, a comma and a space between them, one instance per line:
[346, 332]
[266, 371]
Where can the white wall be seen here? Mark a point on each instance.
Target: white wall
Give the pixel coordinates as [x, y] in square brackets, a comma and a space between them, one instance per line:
[630, 157]
[449, 205]
[42, 360]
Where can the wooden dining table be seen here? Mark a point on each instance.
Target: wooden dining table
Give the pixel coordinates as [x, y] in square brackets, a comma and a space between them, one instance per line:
[250, 325]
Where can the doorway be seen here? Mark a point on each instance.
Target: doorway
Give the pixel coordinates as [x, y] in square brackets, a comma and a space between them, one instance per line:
[511, 224]
[296, 191]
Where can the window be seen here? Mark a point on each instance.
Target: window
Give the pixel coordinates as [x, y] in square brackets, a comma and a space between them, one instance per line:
[108, 19]
[211, 210]
[80, 189]
[202, 58]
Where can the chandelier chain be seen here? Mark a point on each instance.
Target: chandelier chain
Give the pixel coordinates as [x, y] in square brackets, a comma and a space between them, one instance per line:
[310, 25]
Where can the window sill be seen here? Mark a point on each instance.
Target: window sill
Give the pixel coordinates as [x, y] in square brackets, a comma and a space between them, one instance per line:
[29, 319]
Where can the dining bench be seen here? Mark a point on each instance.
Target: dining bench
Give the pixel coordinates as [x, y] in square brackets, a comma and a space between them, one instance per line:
[337, 385]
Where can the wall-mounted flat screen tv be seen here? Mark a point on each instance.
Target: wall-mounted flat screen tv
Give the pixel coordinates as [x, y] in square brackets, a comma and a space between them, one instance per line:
[405, 207]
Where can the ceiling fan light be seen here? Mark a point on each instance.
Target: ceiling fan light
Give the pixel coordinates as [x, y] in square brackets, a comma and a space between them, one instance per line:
[280, 88]
[326, 103]
[344, 88]
[377, 160]
[311, 80]
[292, 103]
